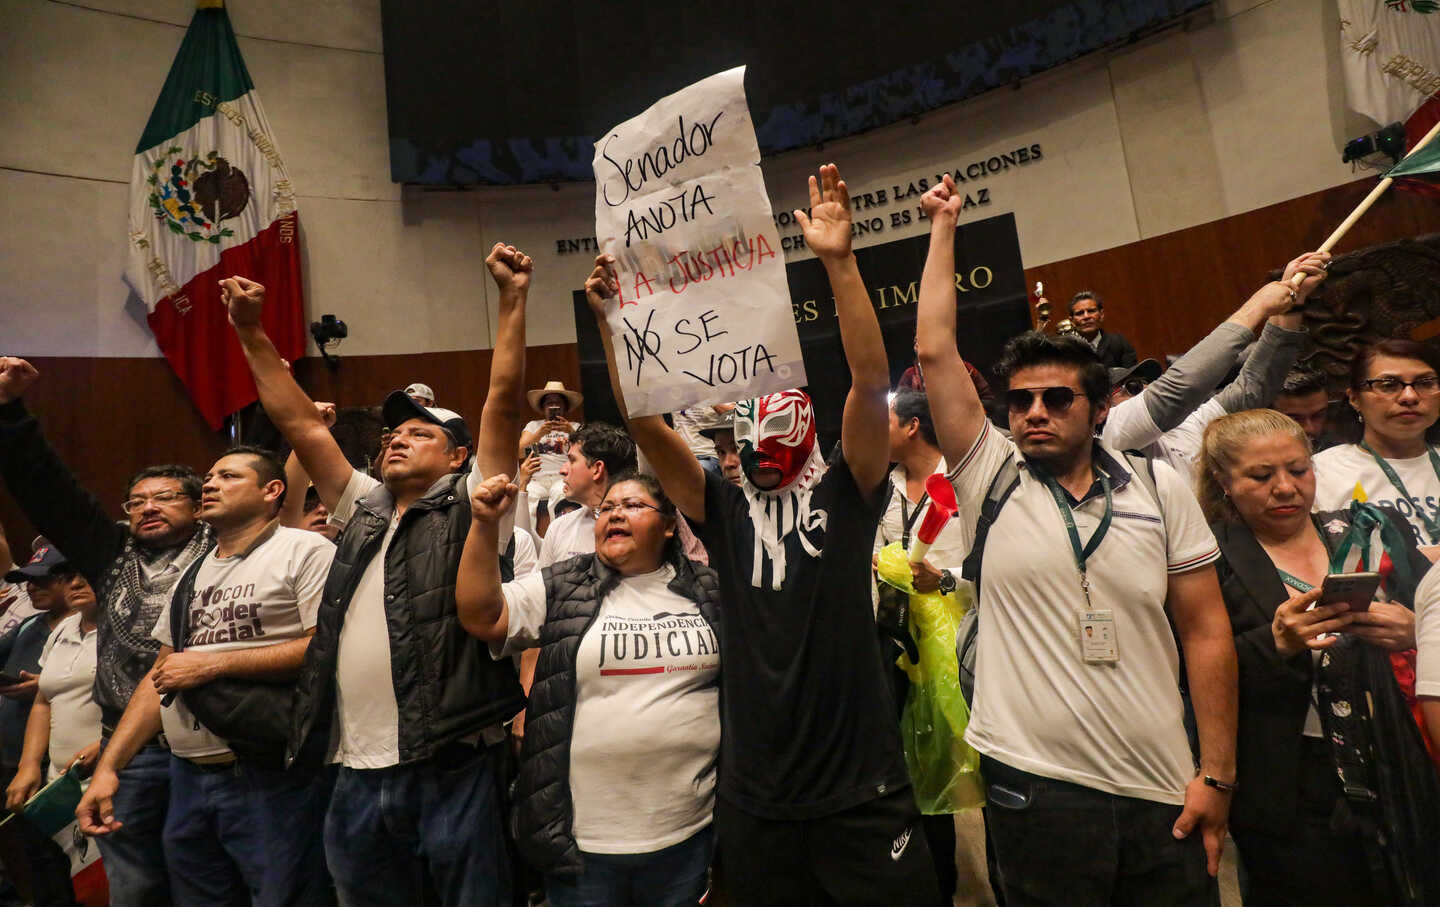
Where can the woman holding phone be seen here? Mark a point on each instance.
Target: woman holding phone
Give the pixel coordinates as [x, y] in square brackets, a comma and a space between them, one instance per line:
[1337, 801]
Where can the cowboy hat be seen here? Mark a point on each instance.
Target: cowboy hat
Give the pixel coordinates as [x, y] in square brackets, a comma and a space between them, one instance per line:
[572, 398]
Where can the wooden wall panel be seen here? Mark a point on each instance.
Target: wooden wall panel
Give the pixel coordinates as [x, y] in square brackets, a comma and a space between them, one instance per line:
[1166, 292]
[110, 417]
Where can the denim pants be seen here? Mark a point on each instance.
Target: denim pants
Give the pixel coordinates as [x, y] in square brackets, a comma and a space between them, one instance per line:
[673, 877]
[394, 833]
[134, 854]
[240, 834]
[1060, 843]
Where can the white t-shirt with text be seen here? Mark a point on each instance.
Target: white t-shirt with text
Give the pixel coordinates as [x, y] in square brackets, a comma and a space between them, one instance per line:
[267, 595]
[1346, 472]
[1040, 707]
[646, 734]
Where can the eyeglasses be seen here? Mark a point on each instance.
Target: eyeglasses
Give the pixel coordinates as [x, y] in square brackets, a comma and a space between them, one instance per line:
[630, 508]
[1134, 386]
[1056, 399]
[1428, 386]
[162, 499]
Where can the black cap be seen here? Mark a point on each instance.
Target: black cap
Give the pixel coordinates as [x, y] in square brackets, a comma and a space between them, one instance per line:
[1148, 369]
[399, 409]
[43, 564]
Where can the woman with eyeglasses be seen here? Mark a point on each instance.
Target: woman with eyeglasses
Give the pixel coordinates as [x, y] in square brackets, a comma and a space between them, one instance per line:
[1337, 802]
[1395, 390]
[616, 786]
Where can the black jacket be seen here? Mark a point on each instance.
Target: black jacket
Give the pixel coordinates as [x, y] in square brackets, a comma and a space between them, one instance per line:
[574, 589]
[446, 684]
[1115, 351]
[1274, 690]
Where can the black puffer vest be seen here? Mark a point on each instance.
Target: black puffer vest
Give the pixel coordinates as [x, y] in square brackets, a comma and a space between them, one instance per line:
[446, 684]
[574, 589]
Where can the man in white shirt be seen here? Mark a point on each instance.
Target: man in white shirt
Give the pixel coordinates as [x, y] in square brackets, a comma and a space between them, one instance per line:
[233, 823]
[598, 452]
[1093, 794]
[393, 687]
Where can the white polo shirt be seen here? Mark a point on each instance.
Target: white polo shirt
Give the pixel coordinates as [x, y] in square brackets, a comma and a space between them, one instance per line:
[1039, 706]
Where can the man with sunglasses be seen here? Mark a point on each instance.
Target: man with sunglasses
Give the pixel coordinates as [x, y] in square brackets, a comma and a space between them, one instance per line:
[134, 567]
[1164, 415]
[1093, 793]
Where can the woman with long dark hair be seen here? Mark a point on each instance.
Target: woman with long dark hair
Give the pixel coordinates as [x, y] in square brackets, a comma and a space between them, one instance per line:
[1337, 801]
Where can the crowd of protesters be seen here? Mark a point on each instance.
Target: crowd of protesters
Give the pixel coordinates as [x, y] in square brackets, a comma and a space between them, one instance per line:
[640, 664]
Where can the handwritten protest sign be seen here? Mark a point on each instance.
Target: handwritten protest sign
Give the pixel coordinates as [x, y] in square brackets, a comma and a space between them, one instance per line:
[703, 314]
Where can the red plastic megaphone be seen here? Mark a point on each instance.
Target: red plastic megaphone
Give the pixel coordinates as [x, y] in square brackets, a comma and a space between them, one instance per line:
[942, 508]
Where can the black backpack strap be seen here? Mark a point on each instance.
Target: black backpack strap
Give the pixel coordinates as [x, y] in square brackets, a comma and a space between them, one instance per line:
[180, 604]
[1006, 480]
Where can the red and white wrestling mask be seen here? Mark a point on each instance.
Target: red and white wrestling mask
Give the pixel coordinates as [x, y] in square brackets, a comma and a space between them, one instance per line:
[775, 432]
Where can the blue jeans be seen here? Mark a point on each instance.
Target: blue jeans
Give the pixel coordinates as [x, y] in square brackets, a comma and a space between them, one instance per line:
[674, 877]
[240, 834]
[393, 833]
[134, 854]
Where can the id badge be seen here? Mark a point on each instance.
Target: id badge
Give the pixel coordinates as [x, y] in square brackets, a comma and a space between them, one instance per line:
[1098, 642]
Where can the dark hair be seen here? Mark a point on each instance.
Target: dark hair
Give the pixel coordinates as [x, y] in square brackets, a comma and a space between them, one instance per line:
[912, 404]
[1302, 379]
[1397, 347]
[673, 548]
[1034, 348]
[1083, 295]
[608, 444]
[312, 498]
[266, 464]
[190, 483]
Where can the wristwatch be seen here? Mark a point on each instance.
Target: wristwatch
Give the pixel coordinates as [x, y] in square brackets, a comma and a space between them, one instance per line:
[1228, 787]
[947, 582]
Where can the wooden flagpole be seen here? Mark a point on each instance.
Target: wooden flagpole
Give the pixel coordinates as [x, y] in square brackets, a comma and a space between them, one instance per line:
[1364, 206]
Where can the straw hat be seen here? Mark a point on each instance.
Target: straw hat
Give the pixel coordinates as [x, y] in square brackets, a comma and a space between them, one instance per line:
[572, 398]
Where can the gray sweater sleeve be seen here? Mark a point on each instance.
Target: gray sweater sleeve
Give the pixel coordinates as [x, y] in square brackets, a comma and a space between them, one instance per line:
[1264, 370]
[1192, 379]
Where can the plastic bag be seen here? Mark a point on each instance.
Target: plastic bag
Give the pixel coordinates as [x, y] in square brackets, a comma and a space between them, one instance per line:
[944, 769]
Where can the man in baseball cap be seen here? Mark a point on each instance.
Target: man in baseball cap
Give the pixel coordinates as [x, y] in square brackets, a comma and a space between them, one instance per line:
[421, 394]
[400, 407]
[1129, 382]
[45, 563]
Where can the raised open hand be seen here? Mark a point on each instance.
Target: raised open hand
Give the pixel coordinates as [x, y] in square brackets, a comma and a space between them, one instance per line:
[510, 267]
[827, 226]
[244, 299]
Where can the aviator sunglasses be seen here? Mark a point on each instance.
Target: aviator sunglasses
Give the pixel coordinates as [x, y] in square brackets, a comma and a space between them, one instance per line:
[1056, 399]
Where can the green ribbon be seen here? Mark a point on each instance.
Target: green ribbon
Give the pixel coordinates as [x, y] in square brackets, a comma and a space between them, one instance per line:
[1081, 554]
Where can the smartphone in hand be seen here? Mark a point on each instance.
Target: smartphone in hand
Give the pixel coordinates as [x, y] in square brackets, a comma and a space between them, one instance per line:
[1354, 589]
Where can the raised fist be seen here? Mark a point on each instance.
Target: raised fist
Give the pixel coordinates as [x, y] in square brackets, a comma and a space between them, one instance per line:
[16, 376]
[942, 199]
[326, 411]
[510, 267]
[244, 299]
[493, 498]
[602, 283]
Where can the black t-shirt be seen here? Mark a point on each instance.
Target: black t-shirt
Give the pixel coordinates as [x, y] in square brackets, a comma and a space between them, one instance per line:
[809, 726]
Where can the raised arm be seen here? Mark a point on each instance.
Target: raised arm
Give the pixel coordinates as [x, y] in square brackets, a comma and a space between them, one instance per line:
[293, 412]
[680, 474]
[58, 506]
[955, 406]
[827, 233]
[503, 417]
[1280, 338]
[292, 511]
[479, 600]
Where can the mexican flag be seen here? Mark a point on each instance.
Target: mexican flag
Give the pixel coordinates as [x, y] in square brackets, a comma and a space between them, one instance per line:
[210, 198]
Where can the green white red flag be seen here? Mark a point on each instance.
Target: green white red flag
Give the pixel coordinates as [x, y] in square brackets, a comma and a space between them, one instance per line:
[210, 198]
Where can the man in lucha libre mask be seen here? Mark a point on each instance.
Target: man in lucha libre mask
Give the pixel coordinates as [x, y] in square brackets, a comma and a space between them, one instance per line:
[815, 795]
